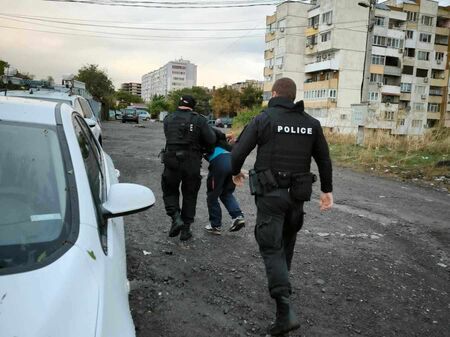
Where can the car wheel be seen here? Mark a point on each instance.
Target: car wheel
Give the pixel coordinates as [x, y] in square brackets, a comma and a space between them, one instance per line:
[123, 121]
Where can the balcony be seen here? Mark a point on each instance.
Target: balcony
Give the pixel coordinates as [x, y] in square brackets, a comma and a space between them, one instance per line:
[405, 96]
[270, 36]
[392, 71]
[268, 54]
[438, 82]
[268, 71]
[271, 19]
[434, 99]
[392, 90]
[332, 64]
[442, 31]
[326, 84]
[311, 49]
[433, 115]
[312, 30]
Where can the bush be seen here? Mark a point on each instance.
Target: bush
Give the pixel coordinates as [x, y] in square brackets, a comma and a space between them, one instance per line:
[244, 117]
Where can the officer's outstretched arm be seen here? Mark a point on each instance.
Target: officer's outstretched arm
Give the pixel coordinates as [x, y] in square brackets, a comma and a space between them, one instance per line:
[244, 145]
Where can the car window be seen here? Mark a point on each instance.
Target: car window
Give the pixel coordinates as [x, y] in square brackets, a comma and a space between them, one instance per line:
[34, 199]
[87, 111]
[92, 162]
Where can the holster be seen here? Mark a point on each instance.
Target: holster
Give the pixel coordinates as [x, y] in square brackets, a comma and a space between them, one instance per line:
[169, 159]
[301, 186]
[262, 182]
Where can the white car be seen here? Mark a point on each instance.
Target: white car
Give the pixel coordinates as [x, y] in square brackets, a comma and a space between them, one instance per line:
[79, 104]
[62, 242]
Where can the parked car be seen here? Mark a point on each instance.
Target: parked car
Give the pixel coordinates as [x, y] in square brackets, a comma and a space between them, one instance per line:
[130, 115]
[62, 242]
[144, 115]
[119, 115]
[79, 104]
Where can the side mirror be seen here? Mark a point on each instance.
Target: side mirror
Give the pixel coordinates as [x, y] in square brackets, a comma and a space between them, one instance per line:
[126, 199]
[90, 122]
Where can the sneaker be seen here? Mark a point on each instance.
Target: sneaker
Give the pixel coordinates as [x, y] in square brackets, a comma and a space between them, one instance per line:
[238, 223]
[213, 230]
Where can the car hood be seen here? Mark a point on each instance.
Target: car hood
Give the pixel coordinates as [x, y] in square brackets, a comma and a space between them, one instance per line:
[60, 299]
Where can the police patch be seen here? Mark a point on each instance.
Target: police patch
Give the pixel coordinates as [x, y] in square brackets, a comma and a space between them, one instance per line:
[294, 130]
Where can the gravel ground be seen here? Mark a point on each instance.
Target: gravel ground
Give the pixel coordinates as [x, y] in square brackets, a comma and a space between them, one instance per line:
[378, 264]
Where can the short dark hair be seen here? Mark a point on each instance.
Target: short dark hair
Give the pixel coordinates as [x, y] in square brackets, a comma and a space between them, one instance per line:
[285, 87]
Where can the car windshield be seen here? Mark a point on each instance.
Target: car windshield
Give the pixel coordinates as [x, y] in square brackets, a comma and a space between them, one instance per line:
[33, 194]
[130, 112]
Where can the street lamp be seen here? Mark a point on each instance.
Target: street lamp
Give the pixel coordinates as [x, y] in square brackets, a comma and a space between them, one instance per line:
[364, 88]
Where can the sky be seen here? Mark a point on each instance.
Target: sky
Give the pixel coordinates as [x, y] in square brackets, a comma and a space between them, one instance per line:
[222, 57]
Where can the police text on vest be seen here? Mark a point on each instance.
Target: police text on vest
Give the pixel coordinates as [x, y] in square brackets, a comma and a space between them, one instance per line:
[295, 130]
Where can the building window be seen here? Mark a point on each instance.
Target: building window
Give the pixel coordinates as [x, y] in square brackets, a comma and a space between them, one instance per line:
[325, 36]
[279, 62]
[375, 78]
[425, 38]
[438, 56]
[409, 34]
[314, 21]
[416, 123]
[379, 21]
[419, 107]
[405, 87]
[401, 122]
[423, 55]
[270, 28]
[373, 96]
[421, 72]
[378, 59]
[269, 63]
[311, 40]
[427, 20]
[282, 25]
[379, 41]
[419, 89]
[410, 52]
[332, 93]
[281, 45]
[434, 107]
[411, 16]
[394, 43]
[389, 115]
[327, 17]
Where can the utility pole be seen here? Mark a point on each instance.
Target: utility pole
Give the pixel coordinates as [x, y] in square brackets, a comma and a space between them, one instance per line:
[367, 58]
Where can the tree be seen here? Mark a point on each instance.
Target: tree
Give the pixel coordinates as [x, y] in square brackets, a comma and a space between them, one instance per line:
[125, 99]
[158, 104]
[3, 65]
[251, 96]
[226, 102]
[201, 95]
[99, 85]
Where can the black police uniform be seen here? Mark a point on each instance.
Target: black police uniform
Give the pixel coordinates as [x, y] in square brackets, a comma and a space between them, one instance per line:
[287, 138]
[187, 136]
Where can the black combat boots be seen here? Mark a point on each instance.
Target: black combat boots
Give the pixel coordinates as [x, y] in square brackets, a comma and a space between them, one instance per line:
[177, 224]
[285, 320]
[186, 233]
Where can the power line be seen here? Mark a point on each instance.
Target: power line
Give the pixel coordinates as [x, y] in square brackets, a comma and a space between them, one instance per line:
[129, 22]
[137, 38]
[58, 21]
[168, 5]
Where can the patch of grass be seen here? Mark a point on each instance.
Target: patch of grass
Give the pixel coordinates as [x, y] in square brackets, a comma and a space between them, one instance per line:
[405, 157]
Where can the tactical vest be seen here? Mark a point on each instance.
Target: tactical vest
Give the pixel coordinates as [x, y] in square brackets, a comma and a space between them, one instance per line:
[183, 132]
[291, 142]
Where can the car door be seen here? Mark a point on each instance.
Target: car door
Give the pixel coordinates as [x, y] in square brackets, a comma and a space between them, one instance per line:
[114, 314]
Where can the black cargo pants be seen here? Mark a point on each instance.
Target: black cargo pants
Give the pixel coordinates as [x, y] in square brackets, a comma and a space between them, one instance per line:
[184, 171]
[278, 220]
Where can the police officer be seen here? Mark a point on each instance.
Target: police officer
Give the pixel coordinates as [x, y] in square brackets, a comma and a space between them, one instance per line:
[287, 138]
[187, 136]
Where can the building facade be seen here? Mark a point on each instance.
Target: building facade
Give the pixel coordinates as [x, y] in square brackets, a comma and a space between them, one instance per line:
[390, 73]
[174, 75]
[132, 88]
[240, 86]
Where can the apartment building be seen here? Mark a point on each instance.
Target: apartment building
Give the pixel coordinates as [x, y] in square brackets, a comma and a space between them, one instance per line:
[174, 75]
[132, 88]
[390, 73]
[240, 86]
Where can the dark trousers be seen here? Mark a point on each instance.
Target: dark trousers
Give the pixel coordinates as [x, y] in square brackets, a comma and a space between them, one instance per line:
[187, 174]
[220, 185]
[278, 220]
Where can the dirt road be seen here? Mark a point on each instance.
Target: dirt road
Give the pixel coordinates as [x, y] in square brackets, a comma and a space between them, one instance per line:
[377, 265]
